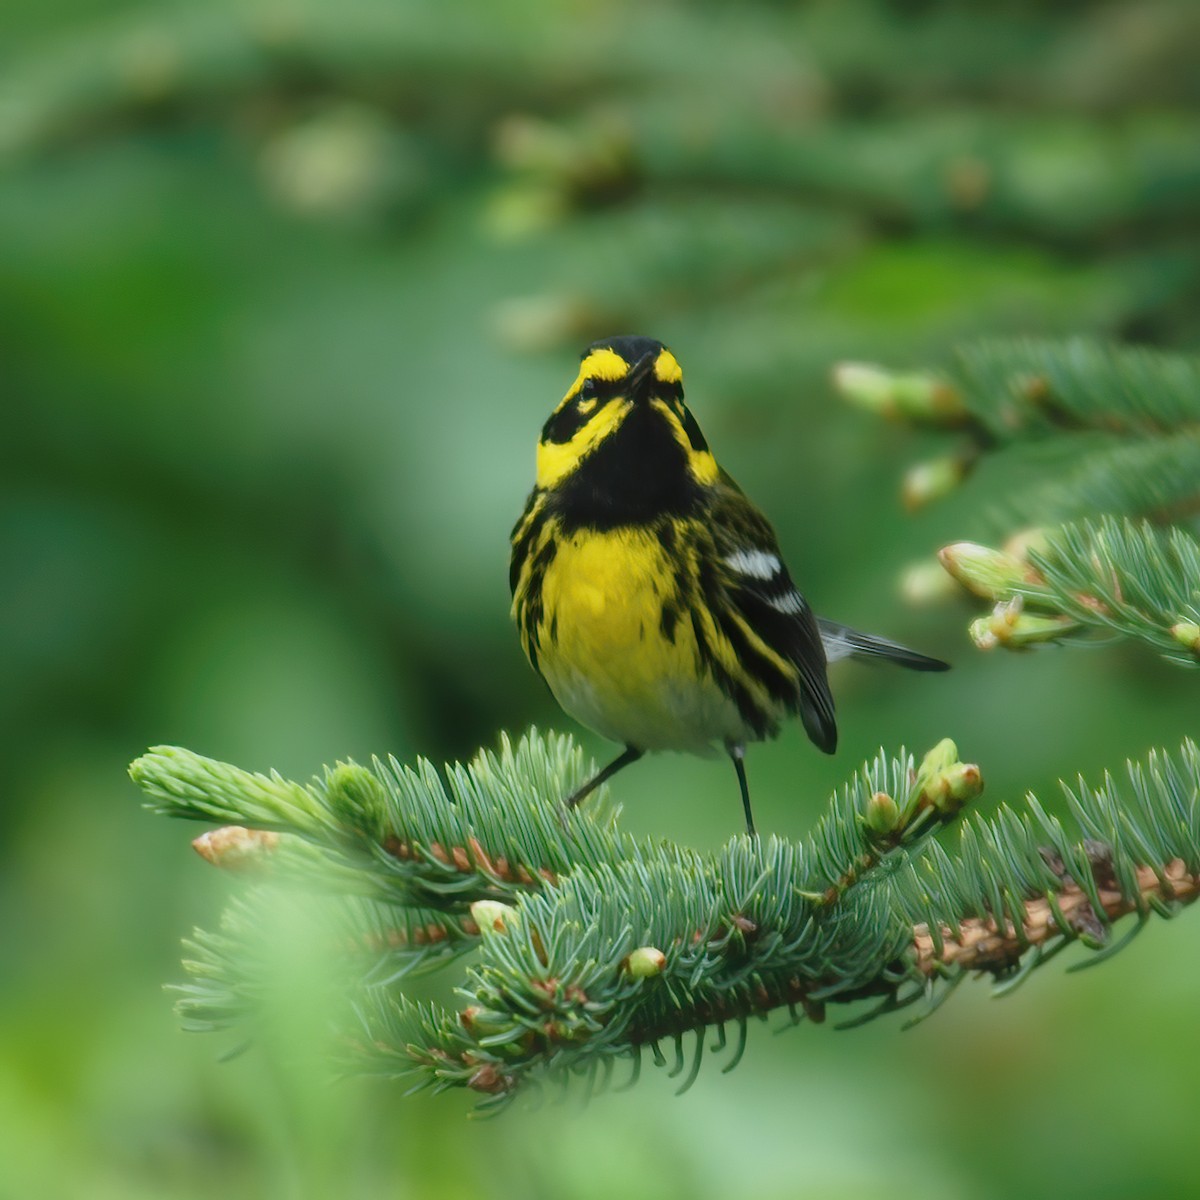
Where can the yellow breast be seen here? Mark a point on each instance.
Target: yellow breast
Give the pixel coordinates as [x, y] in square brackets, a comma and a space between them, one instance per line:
[604, 652]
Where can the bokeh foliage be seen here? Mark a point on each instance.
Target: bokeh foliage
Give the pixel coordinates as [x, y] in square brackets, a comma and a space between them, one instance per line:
[286, 290]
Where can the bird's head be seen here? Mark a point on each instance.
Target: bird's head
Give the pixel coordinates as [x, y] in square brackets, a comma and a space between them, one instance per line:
[622, 434]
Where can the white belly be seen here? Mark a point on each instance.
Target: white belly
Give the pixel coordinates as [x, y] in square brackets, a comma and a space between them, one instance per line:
[690, 716]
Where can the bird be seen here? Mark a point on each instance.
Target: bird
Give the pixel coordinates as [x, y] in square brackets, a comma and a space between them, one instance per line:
[650, 593]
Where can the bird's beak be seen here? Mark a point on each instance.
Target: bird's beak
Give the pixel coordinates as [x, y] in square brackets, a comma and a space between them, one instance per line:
[642, 370]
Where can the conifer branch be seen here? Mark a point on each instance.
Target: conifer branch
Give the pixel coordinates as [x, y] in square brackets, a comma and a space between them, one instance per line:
[983, 944]
[636, 945]
[1117, 577]
[1018, 389]
[1129, 419]
[1127, 424]
[484, 833]
[1006, 390]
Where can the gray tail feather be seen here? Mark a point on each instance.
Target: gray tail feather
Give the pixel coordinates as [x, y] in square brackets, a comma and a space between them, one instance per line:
[843, 642]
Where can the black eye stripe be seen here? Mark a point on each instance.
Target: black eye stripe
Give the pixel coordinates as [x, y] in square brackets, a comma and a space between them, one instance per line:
[564, 424]
[569, 420]
[604, 389]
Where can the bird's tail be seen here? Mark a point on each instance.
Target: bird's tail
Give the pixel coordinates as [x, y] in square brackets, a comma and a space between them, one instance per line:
[841, 641]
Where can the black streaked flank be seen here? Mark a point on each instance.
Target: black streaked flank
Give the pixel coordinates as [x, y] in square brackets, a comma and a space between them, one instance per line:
[524, 536]
[532, 612]
[675, 601]
[672, 610]
[754, 716]
[537, 574]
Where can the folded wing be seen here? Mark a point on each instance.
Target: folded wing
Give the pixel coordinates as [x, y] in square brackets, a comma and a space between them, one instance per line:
[758, 588]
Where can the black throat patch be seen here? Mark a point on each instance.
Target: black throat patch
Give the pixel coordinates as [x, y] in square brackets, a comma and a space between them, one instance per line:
[637, 474]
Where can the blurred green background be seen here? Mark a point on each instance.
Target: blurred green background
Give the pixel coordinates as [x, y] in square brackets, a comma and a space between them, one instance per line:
[286, 291]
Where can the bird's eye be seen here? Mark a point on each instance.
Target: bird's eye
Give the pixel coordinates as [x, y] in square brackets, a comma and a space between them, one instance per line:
[585, 399]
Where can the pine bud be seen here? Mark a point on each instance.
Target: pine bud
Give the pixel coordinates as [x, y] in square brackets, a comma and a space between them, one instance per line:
[882, 815]
[645, 962]
[989, 573]
[354, 793]
[525, 143]
[484, 1022]
[943, 782]
[490, 1079]
[541, 321]
[150, 63]
[943, 755]
[1187, 634]
[968, 180]
[981, 633]
[236, 848]
[928, 481]
[1020, 544]
[925, 582]
[936, 761]
[915, 396]
[1008, 625]
[345, 161]
[493, 917]
[962, 782]
[524, 208]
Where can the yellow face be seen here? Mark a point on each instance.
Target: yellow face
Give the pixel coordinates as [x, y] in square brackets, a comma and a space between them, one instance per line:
[615, 377]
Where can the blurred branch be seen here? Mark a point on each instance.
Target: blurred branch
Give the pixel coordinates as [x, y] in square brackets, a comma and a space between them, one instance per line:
[592, 948]
[1124, 578]
[1010, 390]
[1128, 422]
[788, 121]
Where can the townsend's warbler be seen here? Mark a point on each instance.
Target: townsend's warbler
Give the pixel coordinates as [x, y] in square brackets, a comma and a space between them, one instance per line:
[649, 591]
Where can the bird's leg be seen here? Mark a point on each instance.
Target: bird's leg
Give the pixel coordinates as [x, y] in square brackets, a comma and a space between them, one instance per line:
[738, 754]
[629, 755]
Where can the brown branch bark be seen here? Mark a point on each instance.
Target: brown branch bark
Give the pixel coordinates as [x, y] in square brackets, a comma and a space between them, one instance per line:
[983, 945]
